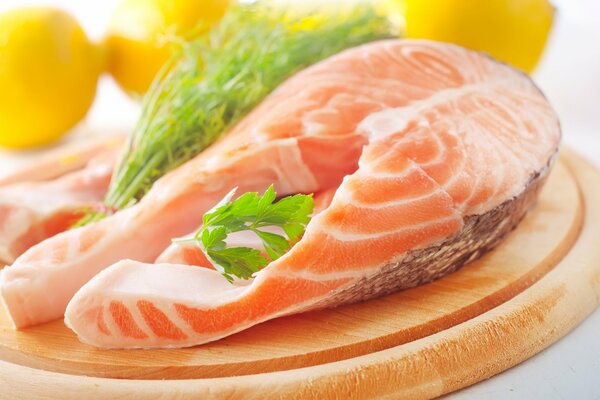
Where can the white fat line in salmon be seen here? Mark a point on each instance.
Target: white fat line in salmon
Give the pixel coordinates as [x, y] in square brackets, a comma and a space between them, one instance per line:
[392, 120]
[353, 237]
[349, 200]
[333, 276]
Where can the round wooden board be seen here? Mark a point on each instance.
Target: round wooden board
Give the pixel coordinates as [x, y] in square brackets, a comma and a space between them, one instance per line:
[492, 314]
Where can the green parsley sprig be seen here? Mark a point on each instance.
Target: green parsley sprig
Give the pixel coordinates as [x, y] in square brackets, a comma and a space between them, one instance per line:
[251, 212]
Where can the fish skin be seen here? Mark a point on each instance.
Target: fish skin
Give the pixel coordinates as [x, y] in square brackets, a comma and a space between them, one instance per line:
[416, 136]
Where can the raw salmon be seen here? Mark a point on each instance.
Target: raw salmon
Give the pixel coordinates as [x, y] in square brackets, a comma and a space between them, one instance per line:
[33, 211]
[435, 151]
[62, 160]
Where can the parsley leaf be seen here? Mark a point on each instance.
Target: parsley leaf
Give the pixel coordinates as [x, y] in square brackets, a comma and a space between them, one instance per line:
[251, 212]
[238, 261]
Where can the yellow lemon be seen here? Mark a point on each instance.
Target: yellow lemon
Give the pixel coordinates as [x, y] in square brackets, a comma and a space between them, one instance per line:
[48, 75]
[136, 40]
[513, 31]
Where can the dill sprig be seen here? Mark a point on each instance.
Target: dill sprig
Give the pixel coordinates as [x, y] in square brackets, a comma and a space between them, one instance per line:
[219, 77]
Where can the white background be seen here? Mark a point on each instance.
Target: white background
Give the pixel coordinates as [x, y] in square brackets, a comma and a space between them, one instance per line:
[569, 74]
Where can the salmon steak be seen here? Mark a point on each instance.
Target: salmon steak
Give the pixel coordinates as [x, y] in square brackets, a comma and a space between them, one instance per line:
[429, 155]
[32, 211]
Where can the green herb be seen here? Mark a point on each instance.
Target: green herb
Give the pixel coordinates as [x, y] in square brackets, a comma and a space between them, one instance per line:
[251, 212]
[218, 78]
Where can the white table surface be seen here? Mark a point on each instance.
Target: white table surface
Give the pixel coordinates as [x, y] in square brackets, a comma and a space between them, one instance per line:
[570, 76]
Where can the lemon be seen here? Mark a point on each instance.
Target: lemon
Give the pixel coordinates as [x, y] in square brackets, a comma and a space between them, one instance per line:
[48, 75]
[137, 36]
[513, 31]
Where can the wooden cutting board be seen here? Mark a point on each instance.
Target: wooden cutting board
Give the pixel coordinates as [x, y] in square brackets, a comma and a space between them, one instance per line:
[420, 343]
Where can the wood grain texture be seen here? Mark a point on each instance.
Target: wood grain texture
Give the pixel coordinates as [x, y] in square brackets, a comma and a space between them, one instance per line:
[451, 333]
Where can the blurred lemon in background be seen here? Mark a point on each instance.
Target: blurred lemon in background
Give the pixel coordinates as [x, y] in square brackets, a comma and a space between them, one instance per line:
[513, 31]
[139, 29]
[48, 75]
